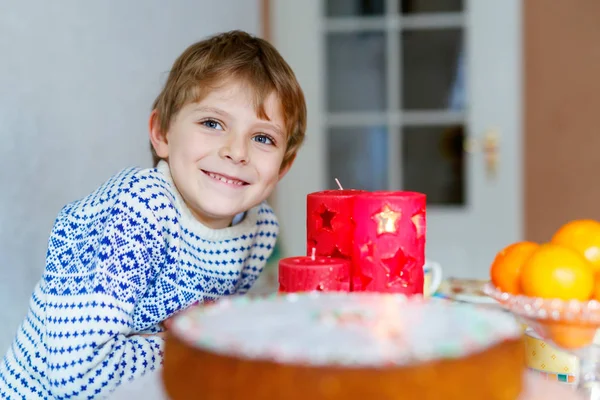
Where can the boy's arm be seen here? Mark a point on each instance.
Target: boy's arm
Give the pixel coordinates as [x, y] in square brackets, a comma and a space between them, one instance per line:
[90, 304]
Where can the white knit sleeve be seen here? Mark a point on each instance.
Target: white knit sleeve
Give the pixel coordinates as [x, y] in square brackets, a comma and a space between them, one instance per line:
[95, 273]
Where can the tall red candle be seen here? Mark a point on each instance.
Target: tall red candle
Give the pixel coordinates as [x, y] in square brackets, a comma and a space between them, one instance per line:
[307, 274]
[389, 242]
[329, 225]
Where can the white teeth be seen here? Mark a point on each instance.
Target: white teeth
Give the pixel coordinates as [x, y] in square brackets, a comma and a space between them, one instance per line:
[225, 180]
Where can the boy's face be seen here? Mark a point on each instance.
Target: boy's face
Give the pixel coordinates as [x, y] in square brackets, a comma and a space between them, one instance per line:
[223, 158]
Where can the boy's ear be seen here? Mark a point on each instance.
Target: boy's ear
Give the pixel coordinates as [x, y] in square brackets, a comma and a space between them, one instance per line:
[287, 167]
[157, 137]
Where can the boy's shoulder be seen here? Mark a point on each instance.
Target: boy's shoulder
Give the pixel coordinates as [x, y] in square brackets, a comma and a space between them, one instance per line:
[132, 187]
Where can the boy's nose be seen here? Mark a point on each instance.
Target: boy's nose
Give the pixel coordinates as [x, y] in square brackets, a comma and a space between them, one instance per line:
[236, 150]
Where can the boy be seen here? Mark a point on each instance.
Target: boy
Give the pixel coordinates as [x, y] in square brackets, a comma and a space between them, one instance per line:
[150, 242]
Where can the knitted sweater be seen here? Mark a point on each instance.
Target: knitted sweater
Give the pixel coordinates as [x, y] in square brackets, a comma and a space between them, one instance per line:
[119, 262]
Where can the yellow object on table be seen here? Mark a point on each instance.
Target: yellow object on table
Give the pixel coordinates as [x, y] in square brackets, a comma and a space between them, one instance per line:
[547, 361]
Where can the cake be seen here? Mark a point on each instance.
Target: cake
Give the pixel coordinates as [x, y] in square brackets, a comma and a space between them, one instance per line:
[343, 346]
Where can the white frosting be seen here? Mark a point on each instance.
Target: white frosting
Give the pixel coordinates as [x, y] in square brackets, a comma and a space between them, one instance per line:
[349, 329]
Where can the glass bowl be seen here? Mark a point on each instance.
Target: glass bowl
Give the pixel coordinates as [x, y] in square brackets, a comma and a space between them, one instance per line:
[568, 325]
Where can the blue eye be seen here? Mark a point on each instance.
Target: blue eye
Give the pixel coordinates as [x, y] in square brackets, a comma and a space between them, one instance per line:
[264, 139]
[212, 124]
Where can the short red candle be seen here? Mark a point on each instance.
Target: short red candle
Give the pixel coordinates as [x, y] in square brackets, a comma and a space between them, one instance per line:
[329, 225]
[389, 242]
[307, 274]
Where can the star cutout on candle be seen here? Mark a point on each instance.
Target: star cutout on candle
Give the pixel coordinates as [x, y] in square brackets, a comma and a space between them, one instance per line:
[418, 221]
[367, 250]
[336, 253]
[396, 269]
[326, 217]
[360, 280]
[386, 220]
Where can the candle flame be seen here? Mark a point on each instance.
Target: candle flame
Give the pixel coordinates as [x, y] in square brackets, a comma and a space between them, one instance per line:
[339, 184]
[314, 252]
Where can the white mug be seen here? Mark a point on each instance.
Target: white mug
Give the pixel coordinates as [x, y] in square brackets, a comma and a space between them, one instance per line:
[433, 277]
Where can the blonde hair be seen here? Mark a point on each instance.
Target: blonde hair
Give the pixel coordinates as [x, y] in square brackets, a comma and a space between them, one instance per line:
[234, 55]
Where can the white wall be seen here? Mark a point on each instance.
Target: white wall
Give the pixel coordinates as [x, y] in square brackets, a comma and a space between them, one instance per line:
[295, 40]
[77, 80]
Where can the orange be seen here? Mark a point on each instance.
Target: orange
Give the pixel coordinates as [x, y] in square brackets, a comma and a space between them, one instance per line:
[557, 272]
[583, 236]
[506, 268]
[596, 294]
[570, 336]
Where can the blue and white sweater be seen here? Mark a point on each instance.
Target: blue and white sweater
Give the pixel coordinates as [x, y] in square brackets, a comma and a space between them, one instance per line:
[119, 262]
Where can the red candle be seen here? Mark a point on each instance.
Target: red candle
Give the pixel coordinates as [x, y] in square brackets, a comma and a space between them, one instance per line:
[329, 225]
[307, 274]
[389, 242]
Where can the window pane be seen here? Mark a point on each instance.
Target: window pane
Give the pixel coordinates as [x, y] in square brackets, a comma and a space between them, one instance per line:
[343, 8]
[433, 70]
[433, 163]
[356, 71]
[358, 157]
[430, 6]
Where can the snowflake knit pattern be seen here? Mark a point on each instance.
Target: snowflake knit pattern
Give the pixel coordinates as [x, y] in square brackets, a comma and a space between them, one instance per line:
[119, 262]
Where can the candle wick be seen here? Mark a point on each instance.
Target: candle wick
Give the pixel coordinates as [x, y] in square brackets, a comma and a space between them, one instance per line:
[314, 251]
[339, 184]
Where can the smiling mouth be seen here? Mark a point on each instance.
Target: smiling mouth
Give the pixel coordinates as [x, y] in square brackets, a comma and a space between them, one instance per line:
[225, 178]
